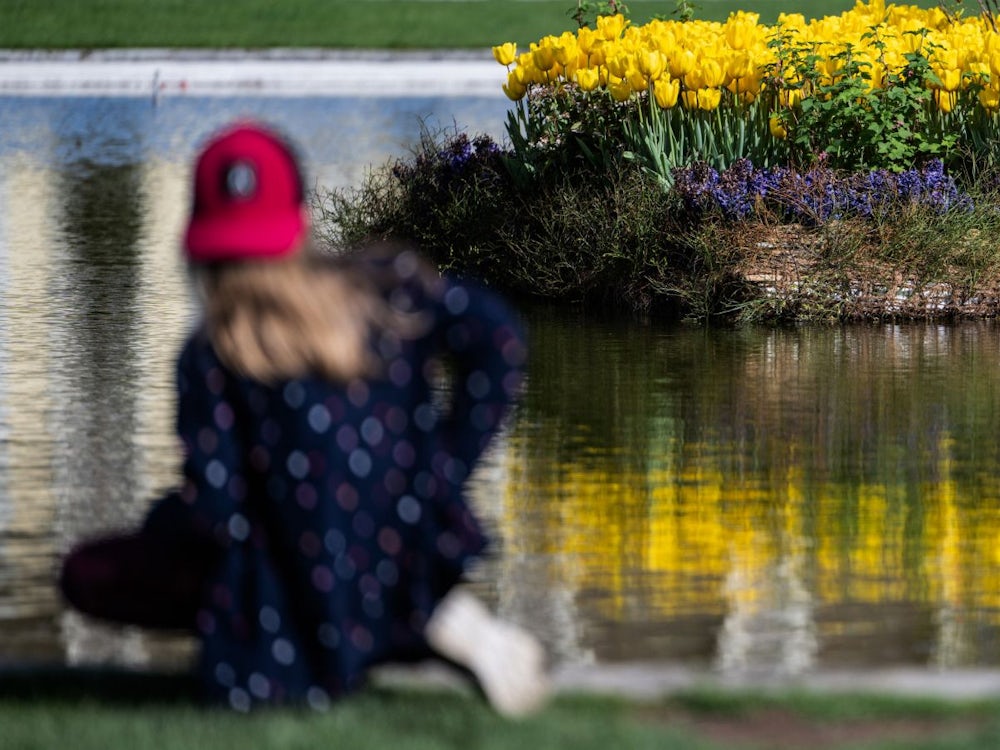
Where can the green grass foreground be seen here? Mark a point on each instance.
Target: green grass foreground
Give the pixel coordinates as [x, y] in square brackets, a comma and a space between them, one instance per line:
[346, 24]
[82, 710]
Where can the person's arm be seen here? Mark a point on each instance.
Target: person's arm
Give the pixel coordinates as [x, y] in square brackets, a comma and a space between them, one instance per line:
[208, 504]
[488, 353]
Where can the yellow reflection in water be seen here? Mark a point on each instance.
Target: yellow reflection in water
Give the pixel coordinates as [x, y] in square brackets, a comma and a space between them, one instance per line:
[685, 537]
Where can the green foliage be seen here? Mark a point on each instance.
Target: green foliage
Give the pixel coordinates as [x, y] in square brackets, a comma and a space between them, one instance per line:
[613, 236]
[586, 12]
[853, 123]
[559, 129]
[989, 9]
[662, 140]
[684, 10]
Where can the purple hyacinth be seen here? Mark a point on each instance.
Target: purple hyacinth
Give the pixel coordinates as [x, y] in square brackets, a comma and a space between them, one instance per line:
[817, 195]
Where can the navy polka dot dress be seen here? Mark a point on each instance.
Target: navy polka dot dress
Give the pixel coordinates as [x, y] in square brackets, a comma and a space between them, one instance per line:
[338, 506]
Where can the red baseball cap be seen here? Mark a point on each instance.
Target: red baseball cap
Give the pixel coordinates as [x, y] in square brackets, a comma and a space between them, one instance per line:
[248, 198]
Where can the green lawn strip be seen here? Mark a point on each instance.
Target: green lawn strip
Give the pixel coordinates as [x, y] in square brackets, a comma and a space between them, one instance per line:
[825, 721]
[384, 24]
[375, 719]
[100, 709]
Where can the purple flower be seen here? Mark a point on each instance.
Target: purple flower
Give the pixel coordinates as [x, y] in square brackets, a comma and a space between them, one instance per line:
[818, 195]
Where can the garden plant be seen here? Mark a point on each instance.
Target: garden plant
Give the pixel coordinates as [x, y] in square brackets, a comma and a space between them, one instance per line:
[839, 168]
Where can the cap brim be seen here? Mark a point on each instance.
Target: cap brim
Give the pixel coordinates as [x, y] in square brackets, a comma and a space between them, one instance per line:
[223, 238]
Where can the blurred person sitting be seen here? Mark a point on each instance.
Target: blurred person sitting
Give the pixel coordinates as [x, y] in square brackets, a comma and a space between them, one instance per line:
[321, 527]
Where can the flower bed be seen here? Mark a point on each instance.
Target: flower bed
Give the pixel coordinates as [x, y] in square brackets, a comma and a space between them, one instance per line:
[875, 87]
[651, 167]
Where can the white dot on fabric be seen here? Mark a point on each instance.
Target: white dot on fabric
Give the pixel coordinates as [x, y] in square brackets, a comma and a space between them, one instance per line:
[225, 675]
[283, 651]
[223, 416]
[216, 474]
[408, 509]
[297, 464]
[357, 393]
[360, 463]
[319, 418]
[318, 699]
[294, 394]
[456, 300]
[269, 619]
[322, 579]
[259, 685]
[372, 431]
[362, 639]
[406, 264]
[239, 700]
[238, 527]
[215, 381]
[347, 438]
[423, 417]
[404, 454]
[400, 372]
[335, 542]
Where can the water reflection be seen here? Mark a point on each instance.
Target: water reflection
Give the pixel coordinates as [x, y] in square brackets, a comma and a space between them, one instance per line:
[762, 500]
[756, 500]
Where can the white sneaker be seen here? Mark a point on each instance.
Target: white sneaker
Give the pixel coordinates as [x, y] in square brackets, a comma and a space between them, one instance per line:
[508, 661]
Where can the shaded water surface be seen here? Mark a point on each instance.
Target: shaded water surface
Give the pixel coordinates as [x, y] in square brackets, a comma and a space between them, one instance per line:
[777, 500]
[754, 499]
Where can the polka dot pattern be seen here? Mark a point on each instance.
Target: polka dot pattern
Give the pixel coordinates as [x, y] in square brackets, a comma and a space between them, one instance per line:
[338, 507]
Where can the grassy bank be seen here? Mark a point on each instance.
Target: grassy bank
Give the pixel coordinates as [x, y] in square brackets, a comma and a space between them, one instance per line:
[95, 710]
[348, 24]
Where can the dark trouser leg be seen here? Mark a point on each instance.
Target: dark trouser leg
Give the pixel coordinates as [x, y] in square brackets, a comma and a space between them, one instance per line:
[138, 580]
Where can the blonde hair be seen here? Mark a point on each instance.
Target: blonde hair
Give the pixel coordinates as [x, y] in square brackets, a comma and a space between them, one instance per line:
[307, 314]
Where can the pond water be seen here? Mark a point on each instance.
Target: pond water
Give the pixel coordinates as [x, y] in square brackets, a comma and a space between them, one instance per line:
[781, 500]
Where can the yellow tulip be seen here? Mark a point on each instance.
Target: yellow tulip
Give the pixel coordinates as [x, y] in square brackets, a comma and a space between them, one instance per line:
[587, 78]
[709, 99]
[945, 101]
[611, 27]
[713, 74]
[790, 97]
[979, 73]
[951, 79]
[526, 73]
[636, 79]
[666, 91]
[689, 99]
[739, 65]
[681, 63]
[994, 60]
[989, 98]
[505, 53]
[619, 88]
[544, 58]
[739, 29]
[777, 128]
[746, 85]
[586, 37]
[652, 63]
[617, 64]
[514, 89]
